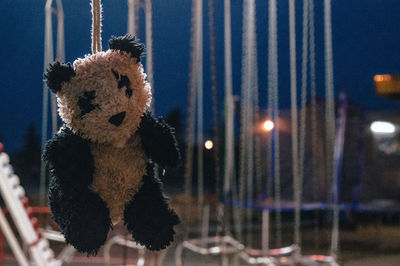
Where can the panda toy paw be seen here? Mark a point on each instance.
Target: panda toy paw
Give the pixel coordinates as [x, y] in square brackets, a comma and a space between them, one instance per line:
[148, 217]
[84, 221]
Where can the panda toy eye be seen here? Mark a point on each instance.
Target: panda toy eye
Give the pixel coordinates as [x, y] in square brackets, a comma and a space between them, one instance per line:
[123, 81]
[85, 103]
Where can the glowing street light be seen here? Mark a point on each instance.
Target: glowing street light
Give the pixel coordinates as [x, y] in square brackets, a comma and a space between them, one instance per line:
[208, 144]
[268, 125]
[382, 128]
[382, 78]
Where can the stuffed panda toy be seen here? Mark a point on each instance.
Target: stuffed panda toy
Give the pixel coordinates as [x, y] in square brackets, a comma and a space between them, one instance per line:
[101, 161]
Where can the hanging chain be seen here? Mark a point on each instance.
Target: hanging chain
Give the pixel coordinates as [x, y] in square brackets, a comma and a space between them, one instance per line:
[273, 113]
[229, 185]
[330, 117]
[294, 114]
[313, 101]
[214, 92]
[314, 135]
[302, 140]
[190, 122]
[243, 121]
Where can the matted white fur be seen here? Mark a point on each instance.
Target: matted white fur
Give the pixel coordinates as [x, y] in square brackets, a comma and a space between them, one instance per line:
[94, 73]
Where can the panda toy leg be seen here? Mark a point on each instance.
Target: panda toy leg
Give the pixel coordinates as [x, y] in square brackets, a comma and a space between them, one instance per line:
[83, 216]
[148, 217]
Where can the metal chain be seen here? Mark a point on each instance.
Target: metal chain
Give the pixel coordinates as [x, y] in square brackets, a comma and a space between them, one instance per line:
[191, 119]
[314, 135]
[229, 155]
[302, 140]
[214, 92]
[330, 113]
[294, 118]
[273, 113]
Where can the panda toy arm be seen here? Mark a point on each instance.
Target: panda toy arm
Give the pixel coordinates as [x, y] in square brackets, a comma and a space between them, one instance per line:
[158, 141]
[68, 157]
[81, 214]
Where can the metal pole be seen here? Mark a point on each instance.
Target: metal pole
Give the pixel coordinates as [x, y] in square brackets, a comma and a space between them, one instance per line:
[273, 113]
[294, 118]
[338, 159]
[229, 115]
[48, 58]
[330, 117]
[149, 48]
[265, 232]
[60, 56]
[199, 62]
[131, 17]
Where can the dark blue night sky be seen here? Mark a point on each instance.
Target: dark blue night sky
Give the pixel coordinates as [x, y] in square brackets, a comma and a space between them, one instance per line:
[366, 41]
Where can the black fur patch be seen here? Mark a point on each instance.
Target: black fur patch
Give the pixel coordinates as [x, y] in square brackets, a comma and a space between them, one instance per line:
[82, 215]
[58, 73]
[158, 141]
[123, 81]
[148, 217]
[116, 75]
[128, 92]
[127, 44]
[69, 158]
[85, 102]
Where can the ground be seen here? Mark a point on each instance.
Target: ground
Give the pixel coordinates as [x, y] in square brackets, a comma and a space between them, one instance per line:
[375, 242]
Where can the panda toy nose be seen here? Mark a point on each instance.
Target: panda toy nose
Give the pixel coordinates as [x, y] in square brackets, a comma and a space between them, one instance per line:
[117, 119]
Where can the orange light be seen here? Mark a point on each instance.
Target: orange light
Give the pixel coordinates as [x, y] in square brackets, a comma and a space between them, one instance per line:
[208, 144]
[381, 78]
[318, 257]
[268, 125]
[378, 78]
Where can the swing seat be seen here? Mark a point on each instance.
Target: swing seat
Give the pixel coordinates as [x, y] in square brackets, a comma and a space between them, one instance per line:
[122, 241]
[318, 260]
[67, 253]
[208, 246]
[253, 260]
[280, 256]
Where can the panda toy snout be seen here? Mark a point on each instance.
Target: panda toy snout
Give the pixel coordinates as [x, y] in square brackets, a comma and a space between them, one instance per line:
[117, 119]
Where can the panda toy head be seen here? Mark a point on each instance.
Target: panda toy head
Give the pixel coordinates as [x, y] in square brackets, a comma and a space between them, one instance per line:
[103, 96]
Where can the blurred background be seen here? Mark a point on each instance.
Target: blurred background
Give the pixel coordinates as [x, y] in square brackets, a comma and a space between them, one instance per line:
[287, 114]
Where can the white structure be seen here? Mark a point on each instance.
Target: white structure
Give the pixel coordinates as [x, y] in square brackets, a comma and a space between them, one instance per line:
[13, 195]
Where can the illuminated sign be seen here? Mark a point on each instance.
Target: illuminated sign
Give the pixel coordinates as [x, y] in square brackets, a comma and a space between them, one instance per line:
[387, 86]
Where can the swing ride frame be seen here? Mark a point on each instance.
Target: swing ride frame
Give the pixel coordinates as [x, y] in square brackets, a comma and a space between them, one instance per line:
[249, 105]
[225, 243]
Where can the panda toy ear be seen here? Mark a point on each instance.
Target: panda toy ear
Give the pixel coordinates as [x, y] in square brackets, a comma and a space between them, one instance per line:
[127, 44]
[58, 73]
